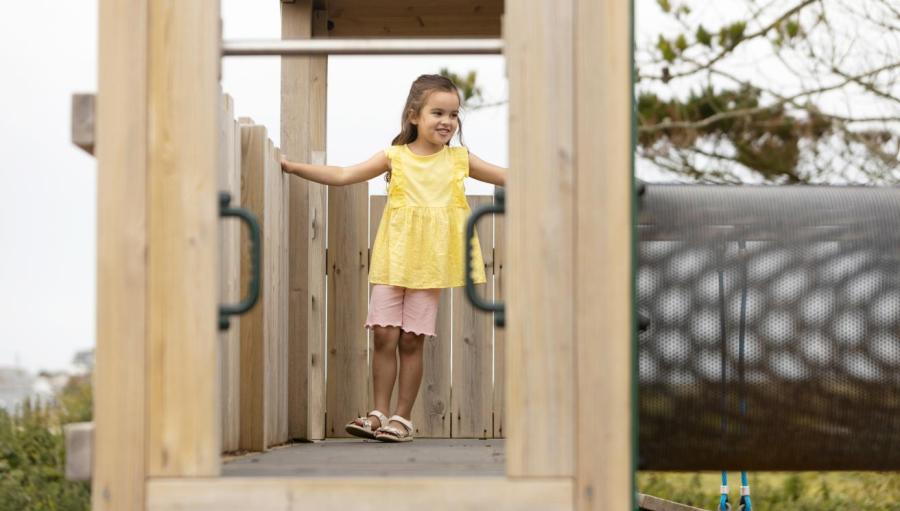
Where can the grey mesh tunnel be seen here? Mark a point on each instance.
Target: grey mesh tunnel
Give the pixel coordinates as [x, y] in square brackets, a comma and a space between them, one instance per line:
[774, 335]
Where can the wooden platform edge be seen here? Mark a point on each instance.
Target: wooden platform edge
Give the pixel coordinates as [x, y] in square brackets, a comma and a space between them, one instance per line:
[651, 503]
[406, 494]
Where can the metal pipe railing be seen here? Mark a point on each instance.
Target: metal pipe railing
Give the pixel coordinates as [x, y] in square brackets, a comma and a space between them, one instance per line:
[308, 47]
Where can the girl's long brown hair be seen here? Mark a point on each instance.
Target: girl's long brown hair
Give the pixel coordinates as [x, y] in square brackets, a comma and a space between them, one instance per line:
[421, 88]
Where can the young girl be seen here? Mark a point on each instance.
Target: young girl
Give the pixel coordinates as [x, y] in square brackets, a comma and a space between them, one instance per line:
[419, 245]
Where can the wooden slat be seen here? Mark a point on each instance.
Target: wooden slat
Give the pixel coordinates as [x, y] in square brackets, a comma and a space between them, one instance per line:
[423, 18]
[603, 272]
[651, 503]
[83, 106]
[254, 380]
[471, 395]
[316, 392]
[348, 379]
[540, 397]
[119, 378]
[229, 275]
[275, 282]
[183, 413]
[499, 406]
[364, 494]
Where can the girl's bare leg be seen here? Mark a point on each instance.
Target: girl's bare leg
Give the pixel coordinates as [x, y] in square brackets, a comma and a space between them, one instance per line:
[384, 368]
[411, 348]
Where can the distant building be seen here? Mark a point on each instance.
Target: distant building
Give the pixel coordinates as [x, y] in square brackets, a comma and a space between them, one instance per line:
[16, 385]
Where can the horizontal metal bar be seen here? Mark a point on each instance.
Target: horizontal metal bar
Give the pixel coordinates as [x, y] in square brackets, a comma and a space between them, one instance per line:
[305, 47]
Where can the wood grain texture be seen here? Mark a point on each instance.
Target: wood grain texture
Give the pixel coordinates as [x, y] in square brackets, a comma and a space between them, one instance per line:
[296, 124]
[472, 395]
[183, 412]
[602, 251]
[540, 397]
[229, 275]
[360, 493]
[253, 416]
[348, 378]
[120, 375]
[447, 18]
[275, 295]
[499, 406]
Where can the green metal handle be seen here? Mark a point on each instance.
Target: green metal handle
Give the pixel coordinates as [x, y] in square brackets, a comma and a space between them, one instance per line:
[498, 308]
[255, 259]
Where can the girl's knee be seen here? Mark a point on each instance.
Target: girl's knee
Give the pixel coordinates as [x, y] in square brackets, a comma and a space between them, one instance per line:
[410, 342]
[385, 338]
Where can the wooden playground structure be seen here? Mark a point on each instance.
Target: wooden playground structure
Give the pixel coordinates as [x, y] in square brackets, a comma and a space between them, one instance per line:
[169, 385]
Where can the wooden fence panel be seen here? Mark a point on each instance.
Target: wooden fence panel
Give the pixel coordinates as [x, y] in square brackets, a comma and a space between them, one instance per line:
[229, 274]
[472, 394]
[264, 328]
[348, 379]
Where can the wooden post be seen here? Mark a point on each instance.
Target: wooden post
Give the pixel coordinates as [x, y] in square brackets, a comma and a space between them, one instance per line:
[540, 397]
[603, 227]
[303, 97]
[569, 238]
[183, 104]
[122, 273]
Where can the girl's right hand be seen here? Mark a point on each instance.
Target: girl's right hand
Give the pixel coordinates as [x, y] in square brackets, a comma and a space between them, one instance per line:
[285, 164]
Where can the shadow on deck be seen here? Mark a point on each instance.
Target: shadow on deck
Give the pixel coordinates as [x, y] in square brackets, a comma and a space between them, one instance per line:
[423, 457]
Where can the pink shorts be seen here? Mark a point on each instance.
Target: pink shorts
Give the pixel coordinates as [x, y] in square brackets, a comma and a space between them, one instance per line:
[413, 310]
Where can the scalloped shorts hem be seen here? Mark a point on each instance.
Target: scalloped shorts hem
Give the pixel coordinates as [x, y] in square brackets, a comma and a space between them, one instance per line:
[413, 310]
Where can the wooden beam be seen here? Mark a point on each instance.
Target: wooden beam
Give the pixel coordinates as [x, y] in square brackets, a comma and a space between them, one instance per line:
[83, 121]
[651, 503]
[327, 494]
[183, 101]
[411, 18]
[122, 268]
[540, 230]
[603, 273]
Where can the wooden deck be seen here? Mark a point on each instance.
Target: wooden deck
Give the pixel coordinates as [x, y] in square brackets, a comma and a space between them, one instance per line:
[424, 457]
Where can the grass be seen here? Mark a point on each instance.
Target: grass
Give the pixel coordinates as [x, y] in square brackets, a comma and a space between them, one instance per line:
[776, 491]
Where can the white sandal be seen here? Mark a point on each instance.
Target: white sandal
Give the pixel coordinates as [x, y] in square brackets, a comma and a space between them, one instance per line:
[365, 430]
[391, 434]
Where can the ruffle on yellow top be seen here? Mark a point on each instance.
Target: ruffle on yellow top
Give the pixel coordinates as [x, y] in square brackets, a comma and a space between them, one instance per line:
[419, 243]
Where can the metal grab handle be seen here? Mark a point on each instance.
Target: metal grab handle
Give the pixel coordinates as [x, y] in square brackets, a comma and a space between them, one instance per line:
[255, 259]
[498, 308]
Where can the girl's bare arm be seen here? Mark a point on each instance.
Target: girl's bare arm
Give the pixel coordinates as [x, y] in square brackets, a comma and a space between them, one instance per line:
[484, 171]
[338, 176]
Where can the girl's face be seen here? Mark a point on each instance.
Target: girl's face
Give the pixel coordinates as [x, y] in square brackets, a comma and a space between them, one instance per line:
[438, 120]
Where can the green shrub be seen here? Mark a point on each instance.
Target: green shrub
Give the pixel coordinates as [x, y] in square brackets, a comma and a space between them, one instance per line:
[32, 453]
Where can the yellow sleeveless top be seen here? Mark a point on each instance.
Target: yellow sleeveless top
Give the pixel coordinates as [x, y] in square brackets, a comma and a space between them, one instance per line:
[419, 243]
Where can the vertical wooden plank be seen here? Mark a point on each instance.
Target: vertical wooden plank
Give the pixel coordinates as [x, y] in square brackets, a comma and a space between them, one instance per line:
[315, 429]
[348, 381]
[431, 411]
[275, 247]
[296, 23]
[471, 395]
[183, 413]
[253, 417]
[499, 406]
[603, 270]
[229, 275]
[121, 150]
[540, 240]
